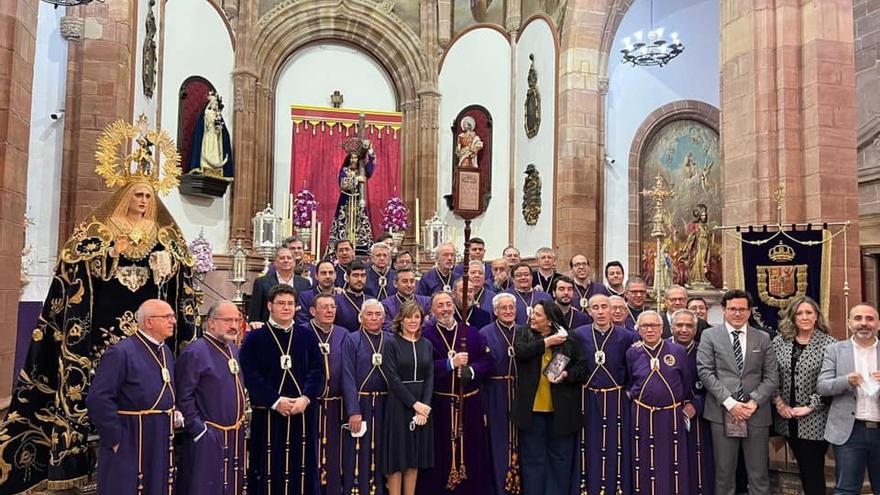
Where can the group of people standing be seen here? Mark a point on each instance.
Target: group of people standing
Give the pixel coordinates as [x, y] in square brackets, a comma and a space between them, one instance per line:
[369, 382]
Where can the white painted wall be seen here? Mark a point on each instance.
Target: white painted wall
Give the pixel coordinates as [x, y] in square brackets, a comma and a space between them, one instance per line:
[536, 39]
[207, 52]
[476, 70]
[309, 77]
[44, 157]
[695, 74]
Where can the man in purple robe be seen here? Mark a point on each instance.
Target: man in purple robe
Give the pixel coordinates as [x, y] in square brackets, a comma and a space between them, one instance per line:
[636, 295]
[349, 301]
[699, 436]
[620, 313]
[284, 376]
[460, 452]
[476, 252]
[501, 278]
[210, 394]
[330, 339]
[475, 316]
[325, 278]
[584, 285]
[483, 294]
[525, 293]
[131, 403]
[660, 383]
[345, 255]
[562, 289]
[546, 271]
[365, 390]
[439, 278]
[405, 283]
[380, 275]
[614, 277]
[602, 459]
[498, 392]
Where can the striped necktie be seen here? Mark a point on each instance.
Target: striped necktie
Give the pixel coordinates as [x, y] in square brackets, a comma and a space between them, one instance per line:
[737, 351]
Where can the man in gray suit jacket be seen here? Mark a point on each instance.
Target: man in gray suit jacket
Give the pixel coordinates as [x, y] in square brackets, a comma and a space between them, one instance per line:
[853, 425]
[737, 366]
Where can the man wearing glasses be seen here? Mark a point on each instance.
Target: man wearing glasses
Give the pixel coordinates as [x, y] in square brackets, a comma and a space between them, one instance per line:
[131, 403]
[283, 372]
[210, 394]
[737, 367]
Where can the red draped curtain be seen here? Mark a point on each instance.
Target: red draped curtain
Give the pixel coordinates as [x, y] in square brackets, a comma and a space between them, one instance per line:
[317, 156]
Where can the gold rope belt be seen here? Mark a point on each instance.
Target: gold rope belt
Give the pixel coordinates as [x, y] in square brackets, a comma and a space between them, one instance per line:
[145, 412]
[655, 409]
[469, 394]
[604, 390]
[372, 394]
[502, 377]
[231, 427]
[331, 398]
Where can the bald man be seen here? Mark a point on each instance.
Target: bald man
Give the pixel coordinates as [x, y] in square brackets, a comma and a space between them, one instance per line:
[131, 403]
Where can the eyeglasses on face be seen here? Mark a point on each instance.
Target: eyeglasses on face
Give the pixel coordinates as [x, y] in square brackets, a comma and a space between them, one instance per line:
[651, 325]
[171, 317]
[737, 310]
[235, 321]
[283, 303]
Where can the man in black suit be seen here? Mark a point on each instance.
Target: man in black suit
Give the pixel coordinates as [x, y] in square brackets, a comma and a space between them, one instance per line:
[676, 298]
[283, 274]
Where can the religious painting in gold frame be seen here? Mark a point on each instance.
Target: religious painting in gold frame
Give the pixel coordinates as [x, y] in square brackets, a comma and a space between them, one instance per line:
[685, 153]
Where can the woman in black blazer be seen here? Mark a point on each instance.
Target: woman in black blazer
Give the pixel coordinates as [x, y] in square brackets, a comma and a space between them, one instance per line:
[547, 412]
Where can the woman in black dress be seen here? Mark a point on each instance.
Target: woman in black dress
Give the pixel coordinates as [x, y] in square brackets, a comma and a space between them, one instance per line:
[409, 369]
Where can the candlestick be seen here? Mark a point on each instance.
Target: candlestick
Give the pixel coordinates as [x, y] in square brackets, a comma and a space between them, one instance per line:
[418, 224]
[318, 244]
[290, 208]
[312, 227]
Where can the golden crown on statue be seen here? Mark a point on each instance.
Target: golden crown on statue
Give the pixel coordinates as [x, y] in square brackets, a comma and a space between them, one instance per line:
[781, 253]
[155, 159]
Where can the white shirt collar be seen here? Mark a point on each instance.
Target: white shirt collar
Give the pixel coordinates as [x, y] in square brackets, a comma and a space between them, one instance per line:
[730, 328]
[860, 346]
[277, 325]
[151, 339]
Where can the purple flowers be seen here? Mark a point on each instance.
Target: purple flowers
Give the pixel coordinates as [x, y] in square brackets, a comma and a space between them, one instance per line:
[395, 216]
[303, 206]
[204, 259]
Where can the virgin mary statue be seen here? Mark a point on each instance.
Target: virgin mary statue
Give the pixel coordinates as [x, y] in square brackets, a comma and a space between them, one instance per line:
[126, 251]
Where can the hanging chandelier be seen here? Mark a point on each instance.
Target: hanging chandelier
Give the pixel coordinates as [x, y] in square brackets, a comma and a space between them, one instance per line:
[655, 50]
[69, 3]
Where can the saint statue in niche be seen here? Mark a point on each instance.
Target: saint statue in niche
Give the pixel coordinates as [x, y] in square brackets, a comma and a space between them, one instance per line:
[468, 144]
[696, 253]
[533, 102]
[211, 144]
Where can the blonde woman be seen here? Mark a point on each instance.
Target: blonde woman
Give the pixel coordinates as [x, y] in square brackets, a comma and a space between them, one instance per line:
[800, 349]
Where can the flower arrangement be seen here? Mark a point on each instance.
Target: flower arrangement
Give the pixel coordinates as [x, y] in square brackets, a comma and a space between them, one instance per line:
[202, 252]
[303, 206]
[395, 216]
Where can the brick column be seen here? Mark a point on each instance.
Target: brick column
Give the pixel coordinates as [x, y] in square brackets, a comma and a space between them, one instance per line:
[18, 29]
[788, 119]
[99, 92]
[579, 172]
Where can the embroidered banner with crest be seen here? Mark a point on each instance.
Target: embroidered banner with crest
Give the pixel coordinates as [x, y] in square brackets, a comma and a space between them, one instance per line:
[777, 267]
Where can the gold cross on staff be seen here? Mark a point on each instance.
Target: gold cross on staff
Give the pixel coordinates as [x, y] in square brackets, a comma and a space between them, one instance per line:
[659, 194]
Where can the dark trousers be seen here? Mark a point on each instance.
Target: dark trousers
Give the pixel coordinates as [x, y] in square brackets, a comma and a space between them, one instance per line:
[546, 460]
[810, 457]
[861, 451]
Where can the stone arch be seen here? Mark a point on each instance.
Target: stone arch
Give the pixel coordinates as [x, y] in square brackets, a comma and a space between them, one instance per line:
[358, 23]
[677, 110]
